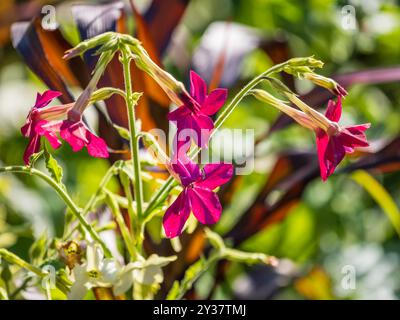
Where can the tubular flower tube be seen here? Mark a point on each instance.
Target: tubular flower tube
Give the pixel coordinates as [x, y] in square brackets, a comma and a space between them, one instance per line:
[194, 114]
[197, 195]
[299, 116]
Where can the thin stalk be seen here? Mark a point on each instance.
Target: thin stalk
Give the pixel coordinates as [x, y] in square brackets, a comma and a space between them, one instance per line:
[129, 242]
[65, 197]
[103, 183]
[14, 259]
[134, 141]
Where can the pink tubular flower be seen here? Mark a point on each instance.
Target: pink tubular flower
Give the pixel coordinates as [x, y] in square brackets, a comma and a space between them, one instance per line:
[333, 144]
[197, 109]
[48, 121]
[197, 195]
[41, 122]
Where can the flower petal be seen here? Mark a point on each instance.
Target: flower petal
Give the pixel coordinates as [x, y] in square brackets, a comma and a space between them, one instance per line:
[45, 98]
[334, 110]
[330, 153]
[96, 146]
[49, 130]
[187, 170]
[202, 126]
[32, 147]
[178, 113]
[205, 205]
[216, 174]
[71, 132]
[353, 137]
[198, 87]
[78, 136]
[214, 101]
[176, 216]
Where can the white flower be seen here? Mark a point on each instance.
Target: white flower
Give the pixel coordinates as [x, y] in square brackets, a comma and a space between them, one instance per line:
[145, 272]
[108, 273]
[95, 272]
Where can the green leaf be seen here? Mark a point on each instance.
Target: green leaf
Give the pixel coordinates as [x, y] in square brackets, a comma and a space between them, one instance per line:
[53, 167]
[380, 195]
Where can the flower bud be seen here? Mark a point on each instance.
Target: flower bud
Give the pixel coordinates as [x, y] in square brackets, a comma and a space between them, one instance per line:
[310, 62]
[327, 83]
[82, 47]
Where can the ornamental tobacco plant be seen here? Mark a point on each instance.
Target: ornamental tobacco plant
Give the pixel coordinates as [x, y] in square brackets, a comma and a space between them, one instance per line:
[89, 262]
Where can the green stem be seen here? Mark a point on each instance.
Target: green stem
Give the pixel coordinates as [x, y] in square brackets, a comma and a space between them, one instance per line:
[64, 196]
[225, 112]
[103, 183]
[134, 141]
[129, 242]
[14, 259]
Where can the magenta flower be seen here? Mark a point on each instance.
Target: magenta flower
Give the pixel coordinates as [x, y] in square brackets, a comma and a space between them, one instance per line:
[41, 122]
[333, 144]
[197, 195]
[197, 109]
[49, 121]
[77, 134]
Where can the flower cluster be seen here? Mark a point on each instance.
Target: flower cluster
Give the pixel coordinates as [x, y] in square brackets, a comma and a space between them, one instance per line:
[193, 118]
[198, 184]
[49, 121]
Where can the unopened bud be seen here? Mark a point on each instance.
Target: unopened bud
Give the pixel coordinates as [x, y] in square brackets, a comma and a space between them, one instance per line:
[310, 62]
[89, 44]
[325, 82]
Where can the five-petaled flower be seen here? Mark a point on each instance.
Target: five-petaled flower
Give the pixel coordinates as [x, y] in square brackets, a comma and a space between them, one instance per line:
[197, 195]
[334, 143]
[49, 121]
[194, 114]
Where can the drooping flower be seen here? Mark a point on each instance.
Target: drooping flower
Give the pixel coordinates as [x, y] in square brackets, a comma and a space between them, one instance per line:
[334, 143]
[77, 134]
[197, 195]
[194, 114]
[43, 121]
[333, 140]
[49, 121]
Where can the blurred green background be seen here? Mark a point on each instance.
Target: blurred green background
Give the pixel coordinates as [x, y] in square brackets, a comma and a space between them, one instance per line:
[337, 224]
